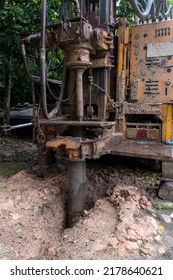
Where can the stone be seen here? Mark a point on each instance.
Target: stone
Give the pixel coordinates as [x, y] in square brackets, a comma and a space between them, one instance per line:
[166, 218]
[113, 241]
[166, 191]
[131, 246]
[146, 252]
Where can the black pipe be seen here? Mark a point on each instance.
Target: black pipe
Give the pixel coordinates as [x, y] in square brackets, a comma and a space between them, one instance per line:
[60, 99]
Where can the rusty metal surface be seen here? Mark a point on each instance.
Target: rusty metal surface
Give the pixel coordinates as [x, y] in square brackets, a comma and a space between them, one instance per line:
[77, 148]
[151, 65]
[77, 191]
[92, 17]
[79, 94]
[83, 44]
[102, 62]
[143, 131]
[144, 149]
[69, 142]
[76, 123]
[160, 49]
[78, 58]
[73, 32]
[143, 108]
[122, 73]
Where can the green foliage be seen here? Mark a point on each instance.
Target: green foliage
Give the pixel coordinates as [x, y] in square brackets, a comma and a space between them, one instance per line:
[124, 9]
[53, 10]
[163, 206]
[170, 2]
[19, 19]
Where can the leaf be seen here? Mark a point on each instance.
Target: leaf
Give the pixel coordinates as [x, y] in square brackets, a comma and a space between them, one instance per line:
[3, 251]
[21, 224]
[160, 227]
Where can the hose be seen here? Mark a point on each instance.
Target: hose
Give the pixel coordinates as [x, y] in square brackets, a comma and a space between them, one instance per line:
[60, 99]
[141, 14]
[43, 68]
[26, 65]
[162, 8]
[143, 9]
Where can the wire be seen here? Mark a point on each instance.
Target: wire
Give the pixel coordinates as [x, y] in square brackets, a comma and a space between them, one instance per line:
[26, 65]
[60, 100]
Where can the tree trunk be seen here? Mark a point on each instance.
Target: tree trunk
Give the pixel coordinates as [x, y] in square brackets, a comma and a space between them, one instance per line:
[7, 97]
[2, 2]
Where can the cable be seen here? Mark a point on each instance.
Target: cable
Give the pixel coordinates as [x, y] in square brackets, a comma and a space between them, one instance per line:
[26, 65]
[60, 100]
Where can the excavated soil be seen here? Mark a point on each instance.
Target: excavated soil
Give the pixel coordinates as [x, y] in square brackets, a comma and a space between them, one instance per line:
[119, 221]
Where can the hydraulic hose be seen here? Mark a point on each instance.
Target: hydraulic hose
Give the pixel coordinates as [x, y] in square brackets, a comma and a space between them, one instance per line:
[43, 70]
[26, 65]
[162, 8]
[51, 58]
[43, 67]
[144, 9]
[141, 14]
[58, 105]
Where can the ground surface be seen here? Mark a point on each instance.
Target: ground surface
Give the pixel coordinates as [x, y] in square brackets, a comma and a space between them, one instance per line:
[119, 221]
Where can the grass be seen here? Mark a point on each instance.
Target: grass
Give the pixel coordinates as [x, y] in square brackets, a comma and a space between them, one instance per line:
[151, 176]
[163, 206]
[3, 137]
[19, 159]
[11, 168]
[21, 224]
[143, 244]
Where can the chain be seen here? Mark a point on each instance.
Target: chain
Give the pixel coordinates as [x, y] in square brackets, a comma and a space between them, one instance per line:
[40, 136]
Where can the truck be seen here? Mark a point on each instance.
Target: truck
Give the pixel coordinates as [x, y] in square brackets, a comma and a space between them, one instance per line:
[116, 93]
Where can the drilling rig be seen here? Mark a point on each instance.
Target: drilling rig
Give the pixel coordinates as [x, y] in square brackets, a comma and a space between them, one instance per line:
[116, 94]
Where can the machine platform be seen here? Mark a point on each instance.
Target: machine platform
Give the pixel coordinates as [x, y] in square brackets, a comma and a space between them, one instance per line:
[142, 149]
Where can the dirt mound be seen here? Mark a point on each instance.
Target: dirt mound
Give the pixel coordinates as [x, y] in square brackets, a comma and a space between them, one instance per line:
[123, 226]
[119, 221]
[134, 226]
[32, 216]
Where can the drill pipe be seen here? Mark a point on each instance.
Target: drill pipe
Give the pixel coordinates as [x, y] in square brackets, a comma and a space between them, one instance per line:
[77, 190]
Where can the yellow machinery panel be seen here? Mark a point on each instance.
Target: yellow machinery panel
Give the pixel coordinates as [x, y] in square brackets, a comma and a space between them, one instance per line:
[151, 68]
